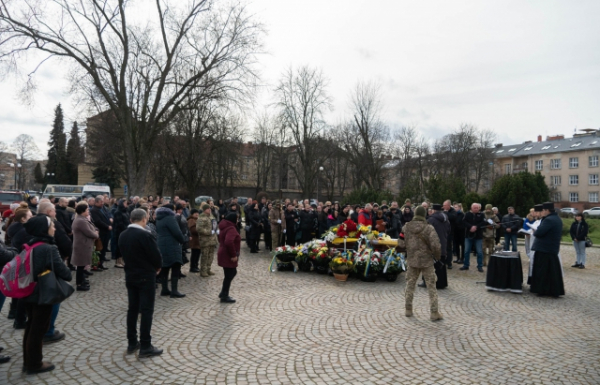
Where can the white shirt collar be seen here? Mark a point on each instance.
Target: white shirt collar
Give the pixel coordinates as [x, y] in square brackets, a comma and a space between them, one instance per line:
[137, 226]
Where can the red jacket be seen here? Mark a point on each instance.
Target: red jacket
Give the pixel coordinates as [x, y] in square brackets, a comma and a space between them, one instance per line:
[229, 244]
[365, 218]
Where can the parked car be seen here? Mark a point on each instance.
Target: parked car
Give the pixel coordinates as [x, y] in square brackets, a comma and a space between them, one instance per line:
[594, 212]
[569, 210]
[9, 197]
[202, 198]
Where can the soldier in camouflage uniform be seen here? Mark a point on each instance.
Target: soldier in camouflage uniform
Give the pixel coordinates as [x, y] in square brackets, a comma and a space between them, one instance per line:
[489, 234]
[207, 237]
[277, 220]
[422, 246]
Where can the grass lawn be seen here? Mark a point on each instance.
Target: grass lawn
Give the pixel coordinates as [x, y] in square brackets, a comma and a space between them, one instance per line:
[594, 232]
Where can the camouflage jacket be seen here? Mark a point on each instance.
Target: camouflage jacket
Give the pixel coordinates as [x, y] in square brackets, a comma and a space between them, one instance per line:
[422, 243]
[490, 231]
[274, 215]
[207, 230]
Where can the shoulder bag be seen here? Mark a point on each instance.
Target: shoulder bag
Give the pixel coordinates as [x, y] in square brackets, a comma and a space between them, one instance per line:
[52, 289]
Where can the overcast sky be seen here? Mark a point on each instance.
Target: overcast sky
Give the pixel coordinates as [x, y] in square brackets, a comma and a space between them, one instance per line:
[519, 68]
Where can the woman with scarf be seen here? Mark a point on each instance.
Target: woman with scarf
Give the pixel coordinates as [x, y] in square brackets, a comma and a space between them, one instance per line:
[41, 228]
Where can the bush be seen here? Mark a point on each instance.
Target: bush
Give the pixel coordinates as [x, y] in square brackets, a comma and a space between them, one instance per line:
[365, 195]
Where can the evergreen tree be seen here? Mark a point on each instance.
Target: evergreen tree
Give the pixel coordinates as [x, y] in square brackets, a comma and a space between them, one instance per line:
[57, 148]
[74, 155]
[521, 191]
[38, 174]
[106, 174]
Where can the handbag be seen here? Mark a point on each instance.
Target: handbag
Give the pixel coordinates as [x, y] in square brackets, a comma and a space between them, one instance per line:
[52, 289]
[98, 244]
[588, 242]
[247, 228]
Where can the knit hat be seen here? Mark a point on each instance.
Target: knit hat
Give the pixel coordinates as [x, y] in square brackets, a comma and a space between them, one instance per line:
[420, 212]
[231, 217]
[38, 226]
[205, 206]
[488, 206]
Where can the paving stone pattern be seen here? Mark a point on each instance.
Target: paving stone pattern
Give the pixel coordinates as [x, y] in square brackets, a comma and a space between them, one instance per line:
[306, 328]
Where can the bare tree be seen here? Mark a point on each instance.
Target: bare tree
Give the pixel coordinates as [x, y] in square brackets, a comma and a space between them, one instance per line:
[4, 159]
[25, 150]
[366, 139]
[144, 71]
[265, 137]
[302, 100]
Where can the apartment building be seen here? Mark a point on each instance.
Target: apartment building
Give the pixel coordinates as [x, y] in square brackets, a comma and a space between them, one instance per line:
[570, 166]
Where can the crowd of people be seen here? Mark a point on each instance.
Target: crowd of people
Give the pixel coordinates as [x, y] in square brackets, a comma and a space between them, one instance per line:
[150, 239]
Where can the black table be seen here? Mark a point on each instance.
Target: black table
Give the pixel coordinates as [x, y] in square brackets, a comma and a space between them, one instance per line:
[505, 272]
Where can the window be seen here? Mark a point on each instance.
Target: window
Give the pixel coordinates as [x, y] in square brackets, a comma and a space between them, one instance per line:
[546, 147]
[594, 161]
[512, 150]
[573, 162]
[593, 179]
[556, 180]
[573, 180]
[507, 168]
[593, 197]
[555, 164]
[528, 148]
[539, 165]
[556, 197]
[576, 144]
[499, 151]
[573, 197]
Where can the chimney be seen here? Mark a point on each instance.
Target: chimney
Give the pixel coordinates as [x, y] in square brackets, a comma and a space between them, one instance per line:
[539, 138]
[498, 145]
[555, 137]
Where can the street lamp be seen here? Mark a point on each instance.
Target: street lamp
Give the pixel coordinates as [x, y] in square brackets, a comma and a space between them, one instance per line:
[15, 166]
[318, 175]
[50, 174]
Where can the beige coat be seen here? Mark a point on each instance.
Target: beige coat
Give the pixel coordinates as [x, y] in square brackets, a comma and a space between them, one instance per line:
[84, 234]
[421, 242]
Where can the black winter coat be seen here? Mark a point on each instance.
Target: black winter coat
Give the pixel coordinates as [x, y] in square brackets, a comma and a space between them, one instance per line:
[290, 220]
[46, 257]
[394, 223]
[62, 240]
[140, 253]
[120, 221]
[63, 216]
[6, 254]
[579, 230]
[452, 217]
[548, 235]
[18, 235]
[254, 220]
[441, 224]
[100, 219]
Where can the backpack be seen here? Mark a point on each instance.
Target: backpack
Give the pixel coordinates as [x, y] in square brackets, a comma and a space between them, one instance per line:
[16, 279]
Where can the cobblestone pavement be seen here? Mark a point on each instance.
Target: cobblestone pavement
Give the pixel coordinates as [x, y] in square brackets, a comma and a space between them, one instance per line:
[306, 328]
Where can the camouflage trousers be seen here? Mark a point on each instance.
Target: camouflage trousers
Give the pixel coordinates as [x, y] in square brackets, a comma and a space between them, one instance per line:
[488, 248]
[411, 280]
[207, 258]
[275, 237]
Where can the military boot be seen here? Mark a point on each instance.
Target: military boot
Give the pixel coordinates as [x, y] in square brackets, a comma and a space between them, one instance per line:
[408, 312]
[436, 316]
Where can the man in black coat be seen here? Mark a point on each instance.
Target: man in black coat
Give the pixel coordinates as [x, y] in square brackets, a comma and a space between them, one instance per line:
[104, 225]
[62, 215]
[452, 216]
[291, 218]
[474, 222]
[142, 263]
[546, 275]
[394, 221]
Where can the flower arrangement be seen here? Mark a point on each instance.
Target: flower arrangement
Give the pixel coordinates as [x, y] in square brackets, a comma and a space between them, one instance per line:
[285, 253]
[320, 256]
[368, 263]
[393, 262]
[347, 229]
[341, 265]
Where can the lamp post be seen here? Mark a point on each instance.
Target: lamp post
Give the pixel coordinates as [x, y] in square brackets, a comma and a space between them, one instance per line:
[49, 174]
[318, 175]
[15, 166]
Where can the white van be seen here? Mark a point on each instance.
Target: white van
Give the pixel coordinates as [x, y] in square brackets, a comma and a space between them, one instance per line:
[63, 191]
[95, 189]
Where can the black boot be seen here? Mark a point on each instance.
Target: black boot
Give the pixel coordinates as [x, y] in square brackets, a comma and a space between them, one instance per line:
[174, 292]
[165, 287]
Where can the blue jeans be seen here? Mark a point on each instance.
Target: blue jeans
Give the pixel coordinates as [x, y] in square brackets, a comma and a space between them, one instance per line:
[55, 309]
[579, 250]
[478, 247]
[508, 238]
